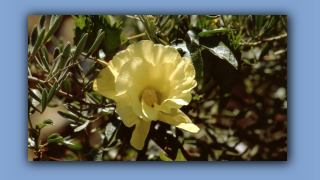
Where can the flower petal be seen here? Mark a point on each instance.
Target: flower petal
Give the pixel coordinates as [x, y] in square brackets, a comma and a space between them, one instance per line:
[189, 84]
[149, 112]
[126, 113]
[165, 54]
[189, 69]
[140, 134]
[134, 92]
[144, 50]
[122, 57]
[105, 83]
[134, 72]
[178, 119]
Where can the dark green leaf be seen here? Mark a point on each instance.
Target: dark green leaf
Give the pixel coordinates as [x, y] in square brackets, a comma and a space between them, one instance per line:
[67, 86]
[95, 155]
[34, 36]
[250, 25]
[38, 42]
[58, 139]
[40, 125]
[260, 21]
[34, 93]
[112, 39]
[272, 22]
[42, 23]
[54, 25]
[44, 99]
[65, 55]
[44, 56]
[80, 46]
[96, 43]
[92, 69]
[52, 91]
[265, 50]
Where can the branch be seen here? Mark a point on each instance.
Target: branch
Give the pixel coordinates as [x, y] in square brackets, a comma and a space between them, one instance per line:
[264, 40]
[60, 92]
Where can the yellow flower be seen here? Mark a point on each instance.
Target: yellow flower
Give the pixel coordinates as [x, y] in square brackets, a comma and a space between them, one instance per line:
[149, 83]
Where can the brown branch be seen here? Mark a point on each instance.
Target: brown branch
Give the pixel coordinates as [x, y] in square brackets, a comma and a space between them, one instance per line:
[61, 93]
[264, 40]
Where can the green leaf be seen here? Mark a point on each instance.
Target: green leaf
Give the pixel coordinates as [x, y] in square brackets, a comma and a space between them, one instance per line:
[265, 50]
[220, 70]
[71, 117]
[272, 22]
[192, 35]
[250, 25]
[84, 125]
[33, 37]
[192, 52]
[112, 39]
[52, 91]
[81, 22]
[80, 46]
[95, 155]
[65, 55]
[44, 99]
[44, 56]
[111, 133]
[164, 157]
[54, 25]
[42, 23]
[210, 17]
[180, 156]
[96, 43]
[58, 139]
[260, 21]
[40, 125]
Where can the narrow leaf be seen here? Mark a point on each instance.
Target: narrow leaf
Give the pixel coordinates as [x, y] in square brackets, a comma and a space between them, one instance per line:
[84, 125]
[80, 46]
[44, 99]
[96, 43]
[54, 25]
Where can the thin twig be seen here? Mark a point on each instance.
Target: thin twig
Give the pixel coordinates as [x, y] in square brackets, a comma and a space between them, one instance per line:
[61, 93]
[264, 40]
[133, 37]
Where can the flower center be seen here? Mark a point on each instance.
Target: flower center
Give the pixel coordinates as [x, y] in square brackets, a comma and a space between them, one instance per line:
[149, 96]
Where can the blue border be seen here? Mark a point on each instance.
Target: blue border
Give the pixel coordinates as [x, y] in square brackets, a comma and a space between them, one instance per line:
[303, 94]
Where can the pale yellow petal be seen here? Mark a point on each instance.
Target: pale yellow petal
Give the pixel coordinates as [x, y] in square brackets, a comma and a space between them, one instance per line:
[122, 57]
[189, 68]
[165, 54]
[105, 83]
[140, 134]
[126, 113]
[134, 92]
[178, 119]
[178, 75]
[133, 72]
[144, 50]
[189, 84]
[149, 112]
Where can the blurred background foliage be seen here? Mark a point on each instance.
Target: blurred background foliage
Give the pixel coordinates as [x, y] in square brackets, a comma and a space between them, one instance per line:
[240, 102]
